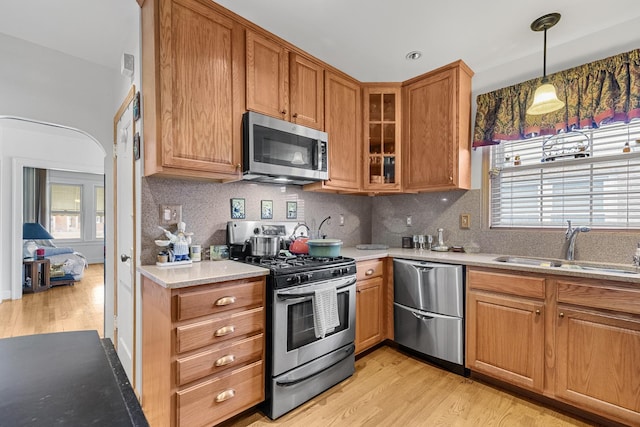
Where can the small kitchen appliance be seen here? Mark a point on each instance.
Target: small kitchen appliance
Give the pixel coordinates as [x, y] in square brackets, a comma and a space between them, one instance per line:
[300, 363]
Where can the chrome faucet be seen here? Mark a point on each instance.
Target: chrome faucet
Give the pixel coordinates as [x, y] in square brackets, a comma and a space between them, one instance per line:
[320, 235]
[570, 236]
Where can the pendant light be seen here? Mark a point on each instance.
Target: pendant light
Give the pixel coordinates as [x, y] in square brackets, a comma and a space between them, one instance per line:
[545, 99]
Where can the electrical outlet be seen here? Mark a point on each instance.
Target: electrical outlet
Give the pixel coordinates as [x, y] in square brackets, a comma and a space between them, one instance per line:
[341, 219]
[465, 221]
[170, 214]
[409, 221]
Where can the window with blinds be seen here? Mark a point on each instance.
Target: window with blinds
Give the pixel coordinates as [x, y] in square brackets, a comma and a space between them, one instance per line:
[66, 205]
[591, 177]
[99, 209]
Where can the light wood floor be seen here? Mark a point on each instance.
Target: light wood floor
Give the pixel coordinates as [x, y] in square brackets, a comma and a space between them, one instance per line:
[390, 388]
[59, 309]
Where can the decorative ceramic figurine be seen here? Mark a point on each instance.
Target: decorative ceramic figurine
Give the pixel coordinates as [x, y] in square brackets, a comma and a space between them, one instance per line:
[180, 242]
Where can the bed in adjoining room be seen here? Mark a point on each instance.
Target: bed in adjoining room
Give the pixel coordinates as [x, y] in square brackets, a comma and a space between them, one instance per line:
[65, 262]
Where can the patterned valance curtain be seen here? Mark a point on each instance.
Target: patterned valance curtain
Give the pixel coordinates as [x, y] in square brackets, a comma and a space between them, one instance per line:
[600, 92]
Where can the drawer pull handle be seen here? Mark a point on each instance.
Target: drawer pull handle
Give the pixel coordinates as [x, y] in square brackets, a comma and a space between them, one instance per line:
[225, 301]
[225, 360]
[225, 331]
[225, 395]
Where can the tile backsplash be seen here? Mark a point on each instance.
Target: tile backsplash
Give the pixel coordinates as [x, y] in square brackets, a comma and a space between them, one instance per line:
[381, 219]
[206, 208]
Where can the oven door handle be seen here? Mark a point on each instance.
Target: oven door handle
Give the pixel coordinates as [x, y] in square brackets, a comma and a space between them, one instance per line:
[289, 296]
[348, 352]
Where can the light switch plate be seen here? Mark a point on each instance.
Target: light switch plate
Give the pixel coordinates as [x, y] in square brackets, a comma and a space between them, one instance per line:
[170, 214]
[465, 221]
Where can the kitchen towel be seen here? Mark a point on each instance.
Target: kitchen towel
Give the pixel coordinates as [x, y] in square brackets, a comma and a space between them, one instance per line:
[325, 311]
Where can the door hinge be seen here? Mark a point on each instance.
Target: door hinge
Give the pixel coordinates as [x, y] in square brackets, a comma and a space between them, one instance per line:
[115, 322]
[115, 150]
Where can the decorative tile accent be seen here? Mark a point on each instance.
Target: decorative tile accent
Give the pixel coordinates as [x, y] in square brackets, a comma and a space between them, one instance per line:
[266, 209]
[292, 210]
[237, 208]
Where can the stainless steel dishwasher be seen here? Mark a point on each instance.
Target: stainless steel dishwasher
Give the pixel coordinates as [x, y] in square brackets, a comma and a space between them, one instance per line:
[428, 311]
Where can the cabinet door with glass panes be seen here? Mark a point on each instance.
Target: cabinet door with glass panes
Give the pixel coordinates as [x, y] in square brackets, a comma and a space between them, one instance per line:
[382, 138]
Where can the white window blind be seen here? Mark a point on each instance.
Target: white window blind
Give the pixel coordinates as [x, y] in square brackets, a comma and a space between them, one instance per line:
[589, 177]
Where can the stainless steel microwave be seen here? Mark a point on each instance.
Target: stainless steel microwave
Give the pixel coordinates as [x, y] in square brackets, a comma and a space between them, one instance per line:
[280, 152]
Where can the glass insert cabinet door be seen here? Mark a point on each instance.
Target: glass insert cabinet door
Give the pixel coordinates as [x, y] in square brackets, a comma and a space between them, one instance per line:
[382, 139]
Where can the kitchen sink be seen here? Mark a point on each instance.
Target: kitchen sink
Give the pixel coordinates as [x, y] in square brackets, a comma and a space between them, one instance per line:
[569, 265]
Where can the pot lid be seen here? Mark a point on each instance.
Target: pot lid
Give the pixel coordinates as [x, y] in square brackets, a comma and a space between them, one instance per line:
[324, 242]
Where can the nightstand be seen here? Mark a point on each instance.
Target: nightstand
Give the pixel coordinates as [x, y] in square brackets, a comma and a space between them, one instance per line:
[35, 276]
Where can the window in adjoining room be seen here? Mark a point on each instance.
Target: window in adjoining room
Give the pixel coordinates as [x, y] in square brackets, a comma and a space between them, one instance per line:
[66, 211]
[99, 207]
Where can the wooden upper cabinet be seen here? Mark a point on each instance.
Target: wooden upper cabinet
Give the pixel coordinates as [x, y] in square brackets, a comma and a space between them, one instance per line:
[267, 76]
[283, 84]
[343, 123]
[382, 143]
[306, 85]
[193, 90]
[436, 131]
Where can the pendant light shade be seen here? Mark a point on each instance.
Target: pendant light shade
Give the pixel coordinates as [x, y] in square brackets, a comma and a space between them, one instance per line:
[545, 99]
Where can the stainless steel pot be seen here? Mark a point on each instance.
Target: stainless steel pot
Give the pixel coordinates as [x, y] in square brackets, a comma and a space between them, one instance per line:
[265, 245]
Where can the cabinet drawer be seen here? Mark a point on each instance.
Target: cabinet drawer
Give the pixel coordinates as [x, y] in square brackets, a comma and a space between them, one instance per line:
[236, 325]
[369, 269]
[219, 299]
[604, 297]
[514, 284]
[218, 399]
[221, 359]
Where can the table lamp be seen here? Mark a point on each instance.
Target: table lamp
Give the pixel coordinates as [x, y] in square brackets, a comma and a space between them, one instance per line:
[33, 231]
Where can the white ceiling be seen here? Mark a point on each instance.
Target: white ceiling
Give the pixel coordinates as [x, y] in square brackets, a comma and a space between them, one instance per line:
[367, 39]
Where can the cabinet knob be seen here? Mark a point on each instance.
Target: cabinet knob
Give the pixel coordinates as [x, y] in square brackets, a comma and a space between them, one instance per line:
[238, 166]
[538, 312]
[295, 115]
[561, 314]
[225, 301]
[225, 395]
[283, 112]
[369, 272]
[225, 360]
[226, 330]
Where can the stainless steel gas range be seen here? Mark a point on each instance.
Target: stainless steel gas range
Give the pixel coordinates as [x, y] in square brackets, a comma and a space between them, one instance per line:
[300, 362]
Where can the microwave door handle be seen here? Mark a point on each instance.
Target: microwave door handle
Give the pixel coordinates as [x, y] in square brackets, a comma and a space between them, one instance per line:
[317, 155]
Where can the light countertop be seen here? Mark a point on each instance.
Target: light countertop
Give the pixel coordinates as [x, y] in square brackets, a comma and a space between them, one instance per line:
[487, 260]
[199, 273]
[204, 272]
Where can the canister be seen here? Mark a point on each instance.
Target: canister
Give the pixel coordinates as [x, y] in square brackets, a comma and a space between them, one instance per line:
[195, 253]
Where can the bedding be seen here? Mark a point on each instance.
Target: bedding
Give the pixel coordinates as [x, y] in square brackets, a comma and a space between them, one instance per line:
[66, 259]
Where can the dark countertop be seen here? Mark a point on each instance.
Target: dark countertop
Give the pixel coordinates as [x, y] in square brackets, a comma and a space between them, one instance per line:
[64, 379]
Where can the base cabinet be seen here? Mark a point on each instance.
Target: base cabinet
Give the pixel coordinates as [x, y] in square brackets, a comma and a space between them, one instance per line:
[202, 351]
[506, 338]
[369, 304]
[575, 340]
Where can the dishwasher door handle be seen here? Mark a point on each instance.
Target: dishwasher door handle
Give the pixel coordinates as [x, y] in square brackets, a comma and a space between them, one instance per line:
[421, 316]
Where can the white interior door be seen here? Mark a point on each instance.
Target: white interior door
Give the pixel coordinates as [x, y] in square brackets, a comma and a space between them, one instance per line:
[124, 192]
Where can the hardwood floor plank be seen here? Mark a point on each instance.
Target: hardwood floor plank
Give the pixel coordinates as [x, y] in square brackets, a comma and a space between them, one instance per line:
[59, 309]
[390, 388]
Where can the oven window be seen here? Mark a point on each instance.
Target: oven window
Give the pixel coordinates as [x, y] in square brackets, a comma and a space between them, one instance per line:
[300, 321]
[285, 149]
